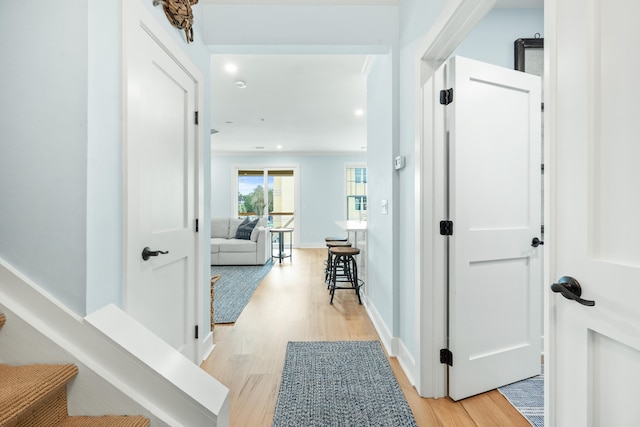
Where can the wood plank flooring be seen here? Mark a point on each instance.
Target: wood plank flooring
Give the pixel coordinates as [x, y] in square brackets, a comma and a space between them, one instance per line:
[292, 304]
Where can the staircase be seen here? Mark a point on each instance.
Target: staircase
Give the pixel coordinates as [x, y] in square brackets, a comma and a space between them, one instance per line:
[36, 395]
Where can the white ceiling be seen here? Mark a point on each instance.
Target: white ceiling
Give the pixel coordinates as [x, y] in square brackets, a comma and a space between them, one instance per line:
[303, 103]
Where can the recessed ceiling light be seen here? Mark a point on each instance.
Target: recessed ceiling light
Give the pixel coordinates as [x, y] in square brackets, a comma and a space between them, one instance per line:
[231, 68]
[241, 84]
[358, 112]
[279, 147]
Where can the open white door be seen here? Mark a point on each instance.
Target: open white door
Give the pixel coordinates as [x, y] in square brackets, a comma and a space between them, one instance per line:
[160, 192]
[495, 273]
[593, 352]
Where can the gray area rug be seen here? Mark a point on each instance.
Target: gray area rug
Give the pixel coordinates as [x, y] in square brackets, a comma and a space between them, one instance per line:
[528, 398]
[339, 383]
[234, 289]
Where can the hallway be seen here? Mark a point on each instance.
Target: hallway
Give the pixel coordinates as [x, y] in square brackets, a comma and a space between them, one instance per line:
[292, 304]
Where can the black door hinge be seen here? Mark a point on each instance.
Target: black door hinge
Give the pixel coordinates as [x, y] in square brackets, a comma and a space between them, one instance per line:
[446, 96]
[446, 357]
[195, 117]
[446, 228]
[197, 225]
[196, 331]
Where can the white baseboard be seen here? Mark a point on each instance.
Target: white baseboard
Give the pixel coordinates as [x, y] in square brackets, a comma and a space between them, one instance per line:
[322, 245]
[380, 326]
[406, 360]
[206, 347]
[394, 346]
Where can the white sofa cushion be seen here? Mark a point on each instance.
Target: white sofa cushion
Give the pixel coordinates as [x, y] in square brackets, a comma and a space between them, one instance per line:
[216, 243]
[220, 227]
[238, 245]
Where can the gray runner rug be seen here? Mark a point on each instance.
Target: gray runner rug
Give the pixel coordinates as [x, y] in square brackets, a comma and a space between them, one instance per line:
[527, 397]
[339, 383]
[234, 289]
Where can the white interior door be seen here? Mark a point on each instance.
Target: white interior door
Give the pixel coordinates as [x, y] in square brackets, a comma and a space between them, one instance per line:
[495, 274]
[160, 202]
[594, 228]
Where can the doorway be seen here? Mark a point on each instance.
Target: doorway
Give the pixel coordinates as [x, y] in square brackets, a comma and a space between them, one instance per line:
[452, 27]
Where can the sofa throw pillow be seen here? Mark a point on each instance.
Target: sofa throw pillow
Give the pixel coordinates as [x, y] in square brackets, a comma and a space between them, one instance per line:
[245, 229]
[234, 223]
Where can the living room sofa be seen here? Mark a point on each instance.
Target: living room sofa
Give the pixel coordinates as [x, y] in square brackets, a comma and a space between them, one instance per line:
[228, 249]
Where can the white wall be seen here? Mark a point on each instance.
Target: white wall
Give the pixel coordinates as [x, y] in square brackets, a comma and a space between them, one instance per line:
[322, 189]
[61, 217]
[381, 286]
[299, 28]
[43, 148]
[416, 17]
[492, 39]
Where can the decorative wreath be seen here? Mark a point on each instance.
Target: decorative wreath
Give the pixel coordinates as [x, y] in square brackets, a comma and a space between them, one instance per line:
[180, 15]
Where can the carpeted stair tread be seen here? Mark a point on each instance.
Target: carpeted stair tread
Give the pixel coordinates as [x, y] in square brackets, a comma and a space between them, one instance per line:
[105, 421]
[23, 388]
[3, 320]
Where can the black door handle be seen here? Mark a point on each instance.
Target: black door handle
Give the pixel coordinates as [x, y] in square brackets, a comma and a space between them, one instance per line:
[536, 242]
[147, 253]
[570, 289]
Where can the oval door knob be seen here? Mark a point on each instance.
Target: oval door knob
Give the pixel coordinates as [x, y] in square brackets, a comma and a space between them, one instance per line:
[148, 253]
[570, 289]
[536, 242]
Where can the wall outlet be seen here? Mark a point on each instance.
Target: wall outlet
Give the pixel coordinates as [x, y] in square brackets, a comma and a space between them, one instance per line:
[385, 207]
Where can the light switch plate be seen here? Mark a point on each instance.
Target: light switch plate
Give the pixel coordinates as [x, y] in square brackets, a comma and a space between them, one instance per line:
[398, 162]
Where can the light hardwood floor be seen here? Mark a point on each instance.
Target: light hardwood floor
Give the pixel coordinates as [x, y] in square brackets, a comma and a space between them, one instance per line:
[292, 304]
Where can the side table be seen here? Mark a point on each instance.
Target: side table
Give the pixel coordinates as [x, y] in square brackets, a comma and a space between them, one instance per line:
[280, 232]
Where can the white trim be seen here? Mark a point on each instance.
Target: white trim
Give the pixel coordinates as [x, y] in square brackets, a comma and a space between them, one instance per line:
[550, 213]
[407, 362]
[380, 326]
[455, 22]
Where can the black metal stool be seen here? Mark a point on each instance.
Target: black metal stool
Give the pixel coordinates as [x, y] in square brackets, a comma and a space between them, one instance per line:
[329, 261]
[344, 256]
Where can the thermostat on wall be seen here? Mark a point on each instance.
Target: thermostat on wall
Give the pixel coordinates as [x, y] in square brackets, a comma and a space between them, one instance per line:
[398, 162]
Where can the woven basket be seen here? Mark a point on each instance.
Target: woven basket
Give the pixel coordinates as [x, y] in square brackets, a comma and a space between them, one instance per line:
[214, 279]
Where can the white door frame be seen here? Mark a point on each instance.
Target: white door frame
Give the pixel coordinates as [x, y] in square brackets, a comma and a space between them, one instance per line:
[455, 22]
[135, 13]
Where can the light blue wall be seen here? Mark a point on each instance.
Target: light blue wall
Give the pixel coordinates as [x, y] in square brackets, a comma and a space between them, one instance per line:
[299, 28]
[416, 17]
[61, 215]
[322, 189]
[43, 149]
[492, 39]
[380, 150]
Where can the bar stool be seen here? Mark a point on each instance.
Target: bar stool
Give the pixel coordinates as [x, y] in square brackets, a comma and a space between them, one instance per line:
[329, 261]
[345, 256]
[335, 239]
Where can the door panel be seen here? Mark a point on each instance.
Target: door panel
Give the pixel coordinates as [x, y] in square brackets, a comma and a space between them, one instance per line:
[160, 204]
[494, 274]
[594, 352]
